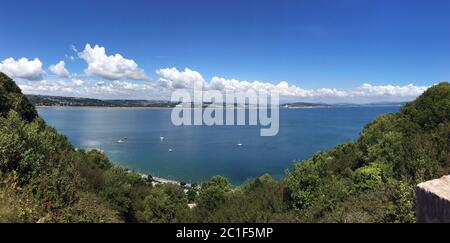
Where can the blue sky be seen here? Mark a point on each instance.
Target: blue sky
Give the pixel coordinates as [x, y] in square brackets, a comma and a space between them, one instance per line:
[336, 44]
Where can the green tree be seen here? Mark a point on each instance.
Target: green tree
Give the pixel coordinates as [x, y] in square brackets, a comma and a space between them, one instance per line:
[166, 204]
[213, 193]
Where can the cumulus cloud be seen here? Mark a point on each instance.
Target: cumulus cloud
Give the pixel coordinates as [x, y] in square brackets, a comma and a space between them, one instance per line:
[287, 90]
[172, 78]
[409, 90]
[283, 88]
[23, 68]
[59, 69]
[112, 67]
[77, 82]
[175, 79]
[46, 87]
[77, 87]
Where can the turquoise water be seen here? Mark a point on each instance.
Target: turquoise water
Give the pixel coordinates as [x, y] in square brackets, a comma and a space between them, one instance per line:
[202, 152]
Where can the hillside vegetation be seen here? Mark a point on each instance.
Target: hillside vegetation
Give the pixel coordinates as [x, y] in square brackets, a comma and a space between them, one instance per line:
[44, 179]
[44, 100]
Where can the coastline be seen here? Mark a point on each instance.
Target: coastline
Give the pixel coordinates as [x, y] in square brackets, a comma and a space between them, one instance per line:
[159, 180]
[101, 107]
[145, 107]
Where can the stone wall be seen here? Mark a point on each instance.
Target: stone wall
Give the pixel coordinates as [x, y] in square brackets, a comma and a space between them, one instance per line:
[433, 201]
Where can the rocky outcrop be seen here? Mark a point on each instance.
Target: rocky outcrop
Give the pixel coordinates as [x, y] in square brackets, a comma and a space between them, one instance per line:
[433, 201]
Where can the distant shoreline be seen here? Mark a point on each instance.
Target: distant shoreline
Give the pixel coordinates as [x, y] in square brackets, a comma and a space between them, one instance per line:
[42, 101]
[100, 107]
[161, 108]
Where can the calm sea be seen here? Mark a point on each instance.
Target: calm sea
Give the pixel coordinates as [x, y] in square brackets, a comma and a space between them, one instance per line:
[201, 152]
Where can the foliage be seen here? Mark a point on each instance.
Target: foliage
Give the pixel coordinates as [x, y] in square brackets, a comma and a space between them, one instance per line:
[259, 200]
[166, 204]
[11, 98]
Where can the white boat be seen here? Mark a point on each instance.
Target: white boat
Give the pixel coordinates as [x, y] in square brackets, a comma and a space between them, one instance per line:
[239, 144]
[120, 141]
[170, 150]
[162, 138]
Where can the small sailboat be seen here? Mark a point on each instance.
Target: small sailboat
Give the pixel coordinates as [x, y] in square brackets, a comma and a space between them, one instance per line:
[120, 141]
[239, 144]
[170, 150]
[162, 138]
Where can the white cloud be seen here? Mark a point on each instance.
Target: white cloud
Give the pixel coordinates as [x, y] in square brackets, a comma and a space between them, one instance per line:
[23, 68]
[127, 90]
[112, 67]
[409, 90]
[172, 78]
[283, 88]
[59, 69]
[46, 87]
[95, 89]
[77, 82]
